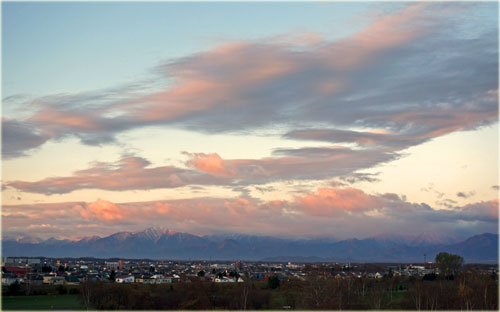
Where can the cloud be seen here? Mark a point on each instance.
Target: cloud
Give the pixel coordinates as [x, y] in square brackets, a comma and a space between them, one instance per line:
[308, 83]
[450, 203]
[329, 211]
[484, 211]
[430, 188]
[129, 173]
[101, 210]
[18, 137]
[135, 173]
[466, 194]
[332, 201]
[362, 138]
[210, 163]
[361, 177]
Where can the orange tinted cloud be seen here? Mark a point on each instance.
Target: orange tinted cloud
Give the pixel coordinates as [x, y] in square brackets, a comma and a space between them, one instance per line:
[102, 210]
[58, 118]
[128, 173]
[394, 29]
[333, 211]
[484, 209]
[210, 163]
[385, 32]
[307, 79]
[334, 201]
[135, 173]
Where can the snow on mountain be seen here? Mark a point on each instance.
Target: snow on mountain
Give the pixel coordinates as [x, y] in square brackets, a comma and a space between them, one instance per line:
[160, 243]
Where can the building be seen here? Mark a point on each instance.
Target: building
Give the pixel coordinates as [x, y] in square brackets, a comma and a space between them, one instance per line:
[125, 279]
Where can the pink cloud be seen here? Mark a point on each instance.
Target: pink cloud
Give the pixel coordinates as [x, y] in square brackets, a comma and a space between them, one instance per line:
[394, 29]
[334, 211]
[210, 163]
[335, 201]
[136, 173]
[219, 77]
[129, 173]
[245, 84]
[485, 209]
[102, 210]
[385, 32]
[64, 119]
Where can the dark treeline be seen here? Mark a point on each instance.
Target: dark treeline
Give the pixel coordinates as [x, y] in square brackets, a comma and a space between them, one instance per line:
[466, 291]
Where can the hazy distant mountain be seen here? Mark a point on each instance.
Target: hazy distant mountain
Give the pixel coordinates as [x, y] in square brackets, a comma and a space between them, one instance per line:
[478, 248]
[167, 244]
[424, 239]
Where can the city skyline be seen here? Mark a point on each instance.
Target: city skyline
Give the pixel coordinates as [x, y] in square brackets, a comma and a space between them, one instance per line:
[334, 119]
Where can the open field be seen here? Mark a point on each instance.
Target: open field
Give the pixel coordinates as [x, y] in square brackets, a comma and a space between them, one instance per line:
[44, 302]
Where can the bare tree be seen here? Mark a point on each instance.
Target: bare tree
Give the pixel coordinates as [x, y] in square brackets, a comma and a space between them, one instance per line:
[245, 291]
[86, 293]
[417, 294]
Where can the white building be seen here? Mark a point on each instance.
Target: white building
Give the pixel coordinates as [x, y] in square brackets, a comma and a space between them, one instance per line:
[226, 279]
[9, 280]
[160, 279]
[125, 279]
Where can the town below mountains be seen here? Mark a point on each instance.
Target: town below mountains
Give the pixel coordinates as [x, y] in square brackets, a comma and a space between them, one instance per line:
[156, 243]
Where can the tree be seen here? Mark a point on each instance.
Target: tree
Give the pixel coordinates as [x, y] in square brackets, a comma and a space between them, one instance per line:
[14, 289]
[86, 294]
[449, 264]
[273, 282]
[234, 274]
[112, 276]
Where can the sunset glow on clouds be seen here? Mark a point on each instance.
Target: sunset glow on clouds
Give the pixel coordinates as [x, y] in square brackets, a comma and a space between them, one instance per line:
[345, 116]
[314, 214]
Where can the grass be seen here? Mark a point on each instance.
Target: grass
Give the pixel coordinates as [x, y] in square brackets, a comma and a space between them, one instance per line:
[45, 302]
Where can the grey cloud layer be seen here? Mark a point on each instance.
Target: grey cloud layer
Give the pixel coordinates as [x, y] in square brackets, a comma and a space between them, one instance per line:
[135, 173]
[129, 173]
[411, 72]
[325, 212]
[408, 77]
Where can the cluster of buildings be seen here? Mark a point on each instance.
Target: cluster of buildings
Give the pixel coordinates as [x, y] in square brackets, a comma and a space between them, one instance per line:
[71, 271]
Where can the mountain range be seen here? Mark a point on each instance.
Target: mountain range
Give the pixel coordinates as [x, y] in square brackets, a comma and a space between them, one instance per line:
[157, 243]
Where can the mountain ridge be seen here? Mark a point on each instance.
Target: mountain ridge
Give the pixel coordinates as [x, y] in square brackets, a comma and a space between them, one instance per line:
[160, 243]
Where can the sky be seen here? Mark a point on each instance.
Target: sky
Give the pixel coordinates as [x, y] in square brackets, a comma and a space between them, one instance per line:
[323, 119]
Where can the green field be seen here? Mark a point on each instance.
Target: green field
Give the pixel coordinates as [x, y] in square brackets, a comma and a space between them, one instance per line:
[45, 302]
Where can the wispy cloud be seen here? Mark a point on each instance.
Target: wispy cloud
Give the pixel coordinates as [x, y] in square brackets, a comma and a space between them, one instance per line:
[129, 173]
[466, 194]
[19, 137]
[322, 88]
[135, 173]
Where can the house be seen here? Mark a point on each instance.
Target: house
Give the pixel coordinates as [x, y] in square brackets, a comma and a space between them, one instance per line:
[52, 279]
[9, 279]
[34, 279]
[113, 265]
[292, 266]
[84, 267]
[125, 279]
[146, 280]
[47, 279]
[58, 280]
[226, 279]
[72, 280]
[160, 279]
[19, 271]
